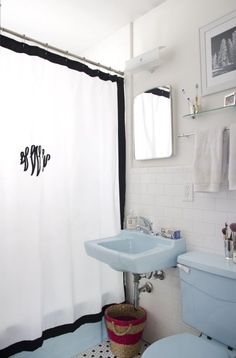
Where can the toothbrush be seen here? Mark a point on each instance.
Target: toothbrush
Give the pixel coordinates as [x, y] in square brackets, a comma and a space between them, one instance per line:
[188, 98]
[228, 232]
[196, 97]
[233, 229]
[224, 232]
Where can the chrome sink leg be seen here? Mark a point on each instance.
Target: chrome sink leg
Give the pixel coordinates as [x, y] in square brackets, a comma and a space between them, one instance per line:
[137, 278]
[147, 287]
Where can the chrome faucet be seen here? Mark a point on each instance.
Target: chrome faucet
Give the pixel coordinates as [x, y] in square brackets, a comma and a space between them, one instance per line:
[144, 225]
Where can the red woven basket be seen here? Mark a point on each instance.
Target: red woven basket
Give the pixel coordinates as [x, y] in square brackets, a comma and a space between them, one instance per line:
[125, 326]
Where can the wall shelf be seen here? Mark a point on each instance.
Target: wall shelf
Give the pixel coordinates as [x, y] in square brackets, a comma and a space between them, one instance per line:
[194, 115]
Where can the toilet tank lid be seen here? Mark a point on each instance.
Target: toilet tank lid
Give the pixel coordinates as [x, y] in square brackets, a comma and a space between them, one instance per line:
[209, 262]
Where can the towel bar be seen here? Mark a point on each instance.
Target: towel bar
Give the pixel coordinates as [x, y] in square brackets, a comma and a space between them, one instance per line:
[186, 135]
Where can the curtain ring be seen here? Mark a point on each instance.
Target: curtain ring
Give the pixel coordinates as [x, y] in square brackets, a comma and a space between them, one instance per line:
[23, 40]
[83, 63]
[46, 46]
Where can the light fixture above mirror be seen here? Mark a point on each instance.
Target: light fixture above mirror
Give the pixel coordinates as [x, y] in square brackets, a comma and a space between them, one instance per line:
[147, 61]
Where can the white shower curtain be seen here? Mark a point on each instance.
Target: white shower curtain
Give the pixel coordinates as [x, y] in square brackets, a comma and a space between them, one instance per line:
[51, 208]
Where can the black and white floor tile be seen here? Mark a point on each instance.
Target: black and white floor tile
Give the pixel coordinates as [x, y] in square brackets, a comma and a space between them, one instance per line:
[103, 350]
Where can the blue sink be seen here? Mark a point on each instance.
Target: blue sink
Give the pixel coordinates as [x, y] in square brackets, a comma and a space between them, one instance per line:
[133, 251]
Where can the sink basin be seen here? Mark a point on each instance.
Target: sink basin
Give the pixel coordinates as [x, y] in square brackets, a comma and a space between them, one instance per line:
[134, 251]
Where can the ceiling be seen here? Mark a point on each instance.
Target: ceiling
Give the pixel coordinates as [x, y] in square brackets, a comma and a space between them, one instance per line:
[73, 25]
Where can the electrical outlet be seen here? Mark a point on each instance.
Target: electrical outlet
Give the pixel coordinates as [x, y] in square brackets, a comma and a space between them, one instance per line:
[188, 192]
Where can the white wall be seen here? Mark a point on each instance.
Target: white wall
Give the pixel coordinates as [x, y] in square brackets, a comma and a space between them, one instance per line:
[112, 51]
[155, 188]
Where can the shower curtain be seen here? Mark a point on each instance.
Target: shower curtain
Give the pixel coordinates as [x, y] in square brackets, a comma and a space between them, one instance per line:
[62, 163]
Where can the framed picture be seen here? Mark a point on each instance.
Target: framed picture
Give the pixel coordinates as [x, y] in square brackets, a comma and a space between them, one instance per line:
[218, 54]
[229, 99]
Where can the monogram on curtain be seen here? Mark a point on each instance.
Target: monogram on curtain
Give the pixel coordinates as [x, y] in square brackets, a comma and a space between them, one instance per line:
[59, 186]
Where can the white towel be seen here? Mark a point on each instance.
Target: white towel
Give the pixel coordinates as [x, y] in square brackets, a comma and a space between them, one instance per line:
[208, 160]
[232, 157]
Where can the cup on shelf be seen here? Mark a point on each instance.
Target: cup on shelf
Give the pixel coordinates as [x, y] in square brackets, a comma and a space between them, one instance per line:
[229, 248]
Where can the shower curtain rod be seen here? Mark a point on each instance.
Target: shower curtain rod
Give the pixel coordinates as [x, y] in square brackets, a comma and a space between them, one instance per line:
[65, 53]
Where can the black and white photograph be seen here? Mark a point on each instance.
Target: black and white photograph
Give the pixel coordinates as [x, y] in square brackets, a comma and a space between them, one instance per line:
[218, 54]
[223, 51]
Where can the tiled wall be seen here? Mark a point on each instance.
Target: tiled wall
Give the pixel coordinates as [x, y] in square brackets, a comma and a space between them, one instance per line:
[158, 193]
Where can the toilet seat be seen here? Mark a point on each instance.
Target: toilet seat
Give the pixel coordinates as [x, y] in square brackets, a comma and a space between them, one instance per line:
[185, 346]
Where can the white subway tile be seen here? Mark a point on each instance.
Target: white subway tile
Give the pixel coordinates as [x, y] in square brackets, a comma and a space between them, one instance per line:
[192, 214]
[161, 178]
[218, 195]
[231, 195]
[188, 226]
[155, 189]
[213, 244]
[179, 202]
[173, 190]
[159, 211]
[214, 217]
[204, 203]
[231, 218]
[204, 229]
[173, 212]
[226, 205]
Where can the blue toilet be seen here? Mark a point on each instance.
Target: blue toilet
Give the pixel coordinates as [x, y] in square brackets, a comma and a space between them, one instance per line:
[208, 290]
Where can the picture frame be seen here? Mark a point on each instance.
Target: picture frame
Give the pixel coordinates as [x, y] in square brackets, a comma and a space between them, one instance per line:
[230, 99]
[218, 54]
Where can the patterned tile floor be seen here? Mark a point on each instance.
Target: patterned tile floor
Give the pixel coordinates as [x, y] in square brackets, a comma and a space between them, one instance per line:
[103, 350]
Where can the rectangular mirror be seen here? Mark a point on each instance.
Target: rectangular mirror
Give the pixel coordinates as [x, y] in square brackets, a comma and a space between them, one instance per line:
[153, 124]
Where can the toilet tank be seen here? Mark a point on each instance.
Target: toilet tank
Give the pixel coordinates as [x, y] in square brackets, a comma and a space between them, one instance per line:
[208, 294]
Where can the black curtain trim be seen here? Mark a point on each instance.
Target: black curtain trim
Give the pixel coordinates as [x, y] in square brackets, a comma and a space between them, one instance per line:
[50, 333]
[77, 66]
[21, 47]
[121, 150]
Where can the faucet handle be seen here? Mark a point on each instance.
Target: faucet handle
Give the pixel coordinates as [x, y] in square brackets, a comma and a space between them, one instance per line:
[147, 222]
